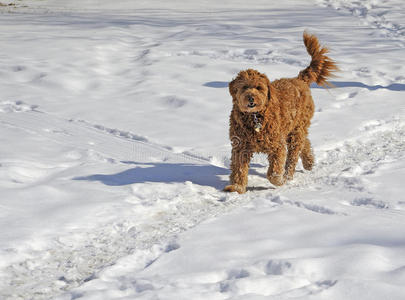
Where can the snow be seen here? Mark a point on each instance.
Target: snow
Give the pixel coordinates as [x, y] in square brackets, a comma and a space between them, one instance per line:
[114, 152]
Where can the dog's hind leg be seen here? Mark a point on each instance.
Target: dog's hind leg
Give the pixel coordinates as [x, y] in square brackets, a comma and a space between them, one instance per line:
[307, 155]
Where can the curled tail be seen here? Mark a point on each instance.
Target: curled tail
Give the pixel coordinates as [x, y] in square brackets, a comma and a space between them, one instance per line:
[321, 66]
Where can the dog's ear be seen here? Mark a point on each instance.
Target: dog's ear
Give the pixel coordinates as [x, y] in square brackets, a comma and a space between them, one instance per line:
[233, 85]
[268, 90]
[268, 86]
[232, 88]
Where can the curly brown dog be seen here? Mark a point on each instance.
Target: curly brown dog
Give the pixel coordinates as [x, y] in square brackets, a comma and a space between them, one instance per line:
[273, 118]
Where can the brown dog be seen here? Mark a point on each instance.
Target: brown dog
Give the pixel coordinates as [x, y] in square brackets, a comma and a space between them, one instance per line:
[273, 118]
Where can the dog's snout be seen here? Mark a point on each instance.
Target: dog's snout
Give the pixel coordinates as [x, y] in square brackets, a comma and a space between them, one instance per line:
[251, 102]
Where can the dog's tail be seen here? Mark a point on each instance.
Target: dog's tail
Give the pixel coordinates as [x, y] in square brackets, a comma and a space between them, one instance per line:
[321, 66]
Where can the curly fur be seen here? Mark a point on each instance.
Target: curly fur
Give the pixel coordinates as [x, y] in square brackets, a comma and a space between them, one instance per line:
[284, 109]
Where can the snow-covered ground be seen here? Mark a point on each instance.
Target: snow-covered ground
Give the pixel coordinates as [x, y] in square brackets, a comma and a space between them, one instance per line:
[114, 152]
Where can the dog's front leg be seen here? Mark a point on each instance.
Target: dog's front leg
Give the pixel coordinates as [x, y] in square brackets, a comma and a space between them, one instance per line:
[277, 158]
[239, 170]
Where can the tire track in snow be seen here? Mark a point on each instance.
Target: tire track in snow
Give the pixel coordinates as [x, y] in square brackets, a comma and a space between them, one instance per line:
[113, 144]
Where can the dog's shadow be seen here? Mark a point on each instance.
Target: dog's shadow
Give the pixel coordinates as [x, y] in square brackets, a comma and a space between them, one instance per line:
[336, 84]
[206, 175]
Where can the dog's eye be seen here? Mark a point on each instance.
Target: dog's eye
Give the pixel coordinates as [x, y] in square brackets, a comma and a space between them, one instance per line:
[259, 88]
[245, 87]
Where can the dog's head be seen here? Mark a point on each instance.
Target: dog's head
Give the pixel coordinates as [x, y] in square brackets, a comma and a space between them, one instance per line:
[250, 91]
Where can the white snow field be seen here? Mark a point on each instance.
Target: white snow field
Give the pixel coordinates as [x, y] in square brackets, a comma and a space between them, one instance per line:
[114, 152]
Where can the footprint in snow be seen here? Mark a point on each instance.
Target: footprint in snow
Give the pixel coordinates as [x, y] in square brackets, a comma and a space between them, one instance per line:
[173, 102]
[275, 267]
[346, 96]
[369, 202]
[233, 275]
[18, 68]
[172, 246]
[237, 274]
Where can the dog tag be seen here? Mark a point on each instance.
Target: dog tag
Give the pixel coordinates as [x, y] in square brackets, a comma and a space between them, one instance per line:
[258, 127]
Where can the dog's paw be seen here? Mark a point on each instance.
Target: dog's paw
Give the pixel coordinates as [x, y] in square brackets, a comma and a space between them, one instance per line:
[235, 188]
[308, 165]
[288, 177]
[277, 179]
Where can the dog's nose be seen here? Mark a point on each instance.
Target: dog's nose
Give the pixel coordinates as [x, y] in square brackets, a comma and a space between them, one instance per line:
[251, 100]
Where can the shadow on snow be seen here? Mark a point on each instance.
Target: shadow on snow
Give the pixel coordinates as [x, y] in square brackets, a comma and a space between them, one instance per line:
[206, 175]
[343, 84]
[216, 84]
[337, 84]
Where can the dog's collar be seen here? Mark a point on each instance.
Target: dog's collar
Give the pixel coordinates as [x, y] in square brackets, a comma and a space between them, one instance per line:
[258, 125]
[256, 117]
